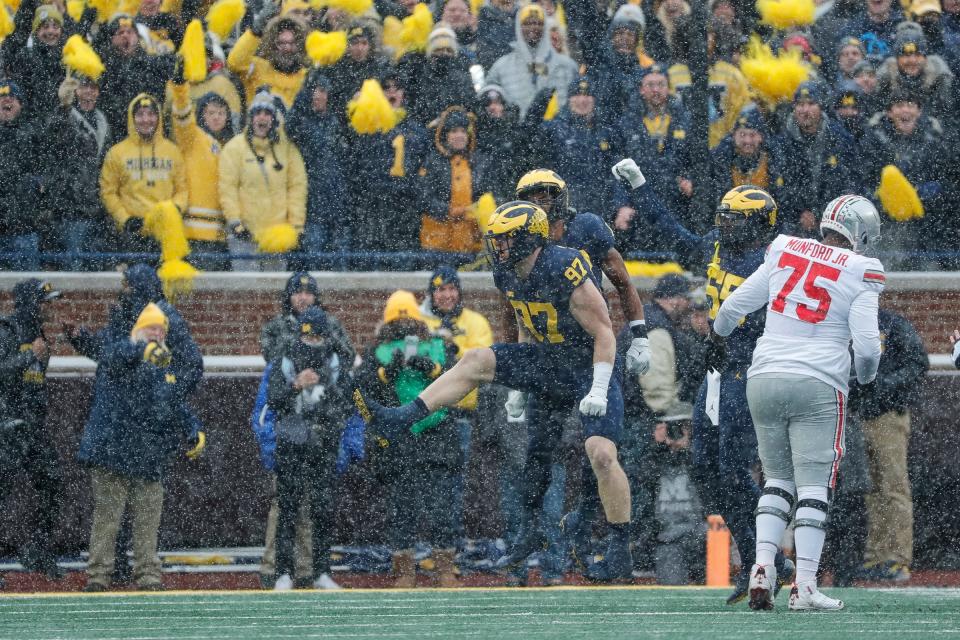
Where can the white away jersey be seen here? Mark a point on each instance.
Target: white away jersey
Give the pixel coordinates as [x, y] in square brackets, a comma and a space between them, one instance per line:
[818, 297]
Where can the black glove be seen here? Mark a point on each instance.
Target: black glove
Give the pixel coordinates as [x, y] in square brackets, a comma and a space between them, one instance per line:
[133, 225]
[394, 367]
[538, 106]
[240, 232]
[422, 364]
[716, 352]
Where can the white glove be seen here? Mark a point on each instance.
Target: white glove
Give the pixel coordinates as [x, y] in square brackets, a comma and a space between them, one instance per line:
[594, 404]
[638, 356]
[516, 406]
[628, 170]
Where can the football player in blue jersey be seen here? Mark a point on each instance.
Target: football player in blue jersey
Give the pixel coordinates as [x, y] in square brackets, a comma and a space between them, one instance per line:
[565, 357]
[724, 442]
[586, 232]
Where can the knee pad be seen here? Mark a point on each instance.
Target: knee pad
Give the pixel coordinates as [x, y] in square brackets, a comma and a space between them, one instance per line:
[777, 499]
[812, 507]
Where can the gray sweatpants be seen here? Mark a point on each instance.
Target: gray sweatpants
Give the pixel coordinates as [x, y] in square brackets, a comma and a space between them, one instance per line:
[799, 422]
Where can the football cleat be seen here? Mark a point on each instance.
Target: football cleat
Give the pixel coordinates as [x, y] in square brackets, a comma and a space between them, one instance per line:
[741, 586]
[785, 575]
[616, 563]
[387, 422]
[283, 583]
[577, 540]
[527, 543]
[806, 597]
[325, 582]
[761, 589]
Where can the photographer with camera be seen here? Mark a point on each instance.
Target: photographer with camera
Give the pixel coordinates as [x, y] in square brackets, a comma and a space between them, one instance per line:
[308, 388]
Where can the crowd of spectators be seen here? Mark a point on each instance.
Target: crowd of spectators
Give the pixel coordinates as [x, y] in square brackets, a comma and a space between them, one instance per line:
[489, 91]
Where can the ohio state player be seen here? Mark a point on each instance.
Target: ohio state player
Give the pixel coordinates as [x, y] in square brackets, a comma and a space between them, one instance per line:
[819, 295]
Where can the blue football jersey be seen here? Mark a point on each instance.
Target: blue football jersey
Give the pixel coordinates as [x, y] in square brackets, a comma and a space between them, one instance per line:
[588, 232]
[726, 272]
[541, 302]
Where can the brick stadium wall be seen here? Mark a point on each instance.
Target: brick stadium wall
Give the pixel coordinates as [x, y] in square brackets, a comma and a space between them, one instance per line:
[228, 321]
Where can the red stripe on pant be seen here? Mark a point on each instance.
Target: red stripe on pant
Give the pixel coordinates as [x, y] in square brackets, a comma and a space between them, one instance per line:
[838, 439]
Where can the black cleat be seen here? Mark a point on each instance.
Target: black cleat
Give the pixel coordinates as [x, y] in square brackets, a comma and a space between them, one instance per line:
[741, 587]
[527, 544]
[616, 564]
[387, 422]
[577, 541]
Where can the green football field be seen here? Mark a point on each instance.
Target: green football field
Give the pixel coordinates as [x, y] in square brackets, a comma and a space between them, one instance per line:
[564, 612]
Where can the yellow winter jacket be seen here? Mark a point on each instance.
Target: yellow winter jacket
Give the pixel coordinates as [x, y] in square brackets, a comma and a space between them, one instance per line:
[472, 331]
[203, 218]
[138, 173]
[263, 193]
[255, 71]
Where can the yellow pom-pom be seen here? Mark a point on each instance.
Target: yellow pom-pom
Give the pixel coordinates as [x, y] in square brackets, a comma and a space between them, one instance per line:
[786, 14]
[553, 108]
[483, 209]
[194, 53]
[278, 238]
[773, 78]
[75, 9]
[79, 57]
[644, 269]
[14, 6]
[475, 6]
[326, 48]
[224, 15]
[355, 7]
[6, 22]
[131, 7]
[165, 225]
[370, 112]
[177, 278]
[392, 27]
[416, 29]
[897, 196]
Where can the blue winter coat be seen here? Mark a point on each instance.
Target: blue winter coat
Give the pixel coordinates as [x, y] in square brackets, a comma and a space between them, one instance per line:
[136, 424]
[318, 136]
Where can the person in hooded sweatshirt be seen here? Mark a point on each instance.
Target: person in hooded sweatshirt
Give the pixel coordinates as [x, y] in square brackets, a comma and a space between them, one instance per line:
[140, 171]
[533, 64]
[201, 133]
[24, 446]
[263, 182]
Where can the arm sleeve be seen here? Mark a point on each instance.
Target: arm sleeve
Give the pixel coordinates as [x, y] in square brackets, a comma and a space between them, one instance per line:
[181, 194]
[748, 297]
[184, 120]
[866, 335]
[242, 54]
[648, 205]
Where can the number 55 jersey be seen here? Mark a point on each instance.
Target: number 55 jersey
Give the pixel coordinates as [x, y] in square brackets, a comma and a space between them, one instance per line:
[818, 297]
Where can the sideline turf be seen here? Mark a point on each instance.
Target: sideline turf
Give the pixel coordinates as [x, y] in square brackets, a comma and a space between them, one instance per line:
[564, 613]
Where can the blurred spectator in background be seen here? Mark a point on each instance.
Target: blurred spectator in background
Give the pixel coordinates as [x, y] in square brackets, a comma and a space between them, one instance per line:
[500, 137]
[884, 409]
[32, 55]
[20, 155]
[849, 54]
[316, 131]
[533, 65]
[865, 76]
[927, 77]
[80, 134]
[263, 183]
[381, 171]
[418, 466]
[653, 131]
[875, 26]
[139, 172]
[131, 70]
[581, 148]
[200, 132]
[271, 52]
[820, 162]
[749, 155]
[495, 30]
[310, 391]
[437, 79]
[24, 444]
[456, 14]
[906, 137]
[136, 424]
[450, 182]
[362, 61]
